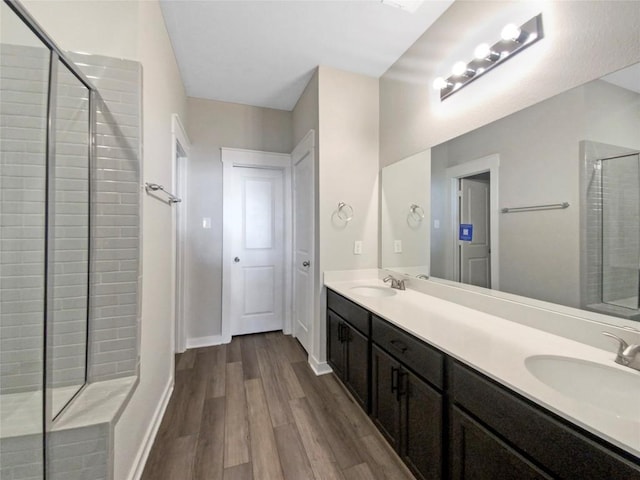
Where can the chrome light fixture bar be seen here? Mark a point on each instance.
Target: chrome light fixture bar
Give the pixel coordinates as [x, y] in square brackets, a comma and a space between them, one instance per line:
[514, 40]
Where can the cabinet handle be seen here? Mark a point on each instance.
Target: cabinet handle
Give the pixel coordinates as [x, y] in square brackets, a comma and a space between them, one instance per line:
[398, 345]
[340, 332]
[394, 379]
[402, 385]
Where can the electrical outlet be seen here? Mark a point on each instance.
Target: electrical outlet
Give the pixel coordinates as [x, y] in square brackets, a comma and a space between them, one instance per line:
[357, 247]
[397, 246]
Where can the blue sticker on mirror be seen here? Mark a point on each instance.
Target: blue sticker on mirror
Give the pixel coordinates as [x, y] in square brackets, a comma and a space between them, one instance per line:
[466, 232]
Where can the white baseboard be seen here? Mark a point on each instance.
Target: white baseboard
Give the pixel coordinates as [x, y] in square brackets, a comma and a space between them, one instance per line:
[152, 431]
[319, 368]
[197, 342]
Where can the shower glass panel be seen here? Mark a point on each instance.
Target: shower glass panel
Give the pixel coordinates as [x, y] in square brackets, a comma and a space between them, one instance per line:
[24, 84]
[69, 242]
[621, 231]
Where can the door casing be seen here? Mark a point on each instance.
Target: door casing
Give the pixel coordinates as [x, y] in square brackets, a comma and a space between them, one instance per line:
[232, 157]
[491, 164]
[179, 276]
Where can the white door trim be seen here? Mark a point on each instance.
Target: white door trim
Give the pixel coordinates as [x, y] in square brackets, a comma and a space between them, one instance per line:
[178, 273]
[234, 157]
[490, 163]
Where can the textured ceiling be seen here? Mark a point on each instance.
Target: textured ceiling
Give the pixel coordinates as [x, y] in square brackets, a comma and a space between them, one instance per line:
[263, 53]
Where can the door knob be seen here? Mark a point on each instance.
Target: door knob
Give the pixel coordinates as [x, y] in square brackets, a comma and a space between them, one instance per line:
[236, 260]
[306, 263]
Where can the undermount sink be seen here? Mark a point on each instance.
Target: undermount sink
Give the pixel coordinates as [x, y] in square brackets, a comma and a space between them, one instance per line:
[606, 388]
[373, 291]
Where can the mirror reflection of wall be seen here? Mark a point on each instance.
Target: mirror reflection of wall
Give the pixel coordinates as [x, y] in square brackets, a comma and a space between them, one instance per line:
[539, 150]
[545, 155]
[405, 215]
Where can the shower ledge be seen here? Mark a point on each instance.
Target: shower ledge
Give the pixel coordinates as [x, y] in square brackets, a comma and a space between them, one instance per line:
[99, 402]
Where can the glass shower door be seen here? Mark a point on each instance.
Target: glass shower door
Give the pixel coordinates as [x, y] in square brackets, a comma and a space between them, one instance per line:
[24, 85]
[621, 231]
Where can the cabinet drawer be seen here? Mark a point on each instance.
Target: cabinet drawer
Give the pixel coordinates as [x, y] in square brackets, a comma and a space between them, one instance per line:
[426, 361]
[559, 448]
[349, 311]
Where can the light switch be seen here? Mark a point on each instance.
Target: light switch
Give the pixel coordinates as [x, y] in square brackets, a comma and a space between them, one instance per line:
[357, 247]
[397, 246]
[436, 224]
[206, 222]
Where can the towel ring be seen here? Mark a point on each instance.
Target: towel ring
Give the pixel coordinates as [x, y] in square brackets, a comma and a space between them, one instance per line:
[344, 212]
[416, 211]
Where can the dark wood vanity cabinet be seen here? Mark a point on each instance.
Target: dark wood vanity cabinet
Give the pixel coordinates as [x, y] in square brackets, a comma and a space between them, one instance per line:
[407, 405]
[348, 331]
[494, 429]
[446, 420]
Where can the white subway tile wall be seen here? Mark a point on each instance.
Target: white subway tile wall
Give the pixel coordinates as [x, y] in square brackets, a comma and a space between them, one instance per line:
[24, 75]
[115, 252]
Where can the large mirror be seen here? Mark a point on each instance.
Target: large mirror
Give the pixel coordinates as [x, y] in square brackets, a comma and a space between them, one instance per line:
[544, 203]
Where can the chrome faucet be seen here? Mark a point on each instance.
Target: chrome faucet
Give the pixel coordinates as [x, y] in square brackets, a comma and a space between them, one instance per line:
[628, 355]
[395, 283]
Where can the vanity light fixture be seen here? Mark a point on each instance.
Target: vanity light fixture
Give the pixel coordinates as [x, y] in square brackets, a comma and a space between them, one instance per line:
[514, 39]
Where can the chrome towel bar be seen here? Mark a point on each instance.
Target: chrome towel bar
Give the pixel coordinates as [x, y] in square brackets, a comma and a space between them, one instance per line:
[533, 208]
[154, 187]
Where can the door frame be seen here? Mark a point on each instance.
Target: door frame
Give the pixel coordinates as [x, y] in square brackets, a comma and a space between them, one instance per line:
[306, 147]
[235, 157]
[491, 164]
[179, 274]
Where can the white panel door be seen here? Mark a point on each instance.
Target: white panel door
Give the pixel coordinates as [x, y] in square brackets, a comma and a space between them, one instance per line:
[303, 238]
[474, 260]
[257, 273]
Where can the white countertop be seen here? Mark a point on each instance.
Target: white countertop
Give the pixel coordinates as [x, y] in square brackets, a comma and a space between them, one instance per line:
[498, 348]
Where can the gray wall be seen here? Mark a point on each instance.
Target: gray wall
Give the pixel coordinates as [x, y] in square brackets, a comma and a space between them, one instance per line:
[412, 117]
[210, 125]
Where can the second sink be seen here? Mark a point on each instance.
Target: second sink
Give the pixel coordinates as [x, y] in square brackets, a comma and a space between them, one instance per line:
[607, 388]
[373, 291]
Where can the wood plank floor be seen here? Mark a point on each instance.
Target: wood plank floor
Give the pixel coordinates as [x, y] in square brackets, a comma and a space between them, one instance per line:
[254, 409]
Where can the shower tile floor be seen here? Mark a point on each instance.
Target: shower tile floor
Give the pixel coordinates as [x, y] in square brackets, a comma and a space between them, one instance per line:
[254, 409]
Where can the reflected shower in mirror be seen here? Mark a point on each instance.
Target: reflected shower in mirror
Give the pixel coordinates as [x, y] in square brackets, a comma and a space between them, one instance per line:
[571, 161]
[68, 285]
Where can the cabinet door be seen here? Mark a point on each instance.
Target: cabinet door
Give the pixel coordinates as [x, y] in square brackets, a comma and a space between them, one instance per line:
[421, 427]
[357, 368]
[385, 405]
[476, 454]
[335, 345]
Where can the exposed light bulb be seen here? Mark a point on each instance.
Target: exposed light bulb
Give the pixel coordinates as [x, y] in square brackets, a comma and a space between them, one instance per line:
[480, 71]
[510, 32]
[459, 68]
[439, 83]
[482, 51]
